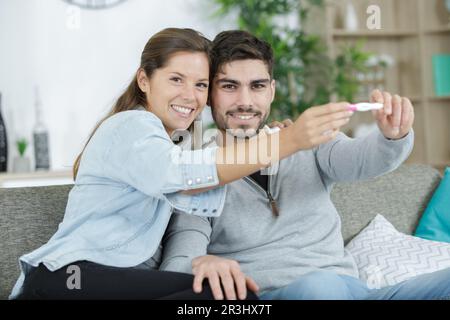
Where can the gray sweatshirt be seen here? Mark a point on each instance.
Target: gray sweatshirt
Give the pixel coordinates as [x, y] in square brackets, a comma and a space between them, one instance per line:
[306, 236]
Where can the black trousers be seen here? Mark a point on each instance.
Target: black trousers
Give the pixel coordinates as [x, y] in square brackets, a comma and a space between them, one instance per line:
[99, 282]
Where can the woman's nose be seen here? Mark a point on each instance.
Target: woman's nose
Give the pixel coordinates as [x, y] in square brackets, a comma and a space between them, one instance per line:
[188, 93]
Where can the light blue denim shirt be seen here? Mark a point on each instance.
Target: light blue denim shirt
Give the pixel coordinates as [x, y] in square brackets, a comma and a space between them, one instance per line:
[126, 189]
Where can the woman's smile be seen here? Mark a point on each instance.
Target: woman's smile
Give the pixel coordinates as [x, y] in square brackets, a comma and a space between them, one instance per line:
[182, 111]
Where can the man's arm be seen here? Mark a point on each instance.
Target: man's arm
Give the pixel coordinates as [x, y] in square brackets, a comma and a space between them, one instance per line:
[382, 151]
[185, 250]
[186, 237]
[347, 159]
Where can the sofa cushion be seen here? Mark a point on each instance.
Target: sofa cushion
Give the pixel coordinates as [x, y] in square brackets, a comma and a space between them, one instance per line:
[435, 222]
[386, 257]
[28, 218]
[401, 196]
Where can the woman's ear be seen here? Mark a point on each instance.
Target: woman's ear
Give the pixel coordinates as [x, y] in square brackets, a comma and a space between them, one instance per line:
[142, 80]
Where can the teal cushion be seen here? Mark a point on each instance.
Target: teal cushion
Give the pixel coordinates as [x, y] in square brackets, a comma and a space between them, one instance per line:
[435, 222]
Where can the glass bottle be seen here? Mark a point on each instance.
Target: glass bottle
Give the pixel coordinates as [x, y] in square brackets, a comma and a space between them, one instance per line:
[3, 142]
[40, 137]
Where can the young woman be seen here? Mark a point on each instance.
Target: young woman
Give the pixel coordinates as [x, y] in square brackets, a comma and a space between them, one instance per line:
[129, 178]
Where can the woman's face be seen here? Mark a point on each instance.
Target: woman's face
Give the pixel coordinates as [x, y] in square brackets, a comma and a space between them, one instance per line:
[178, 92]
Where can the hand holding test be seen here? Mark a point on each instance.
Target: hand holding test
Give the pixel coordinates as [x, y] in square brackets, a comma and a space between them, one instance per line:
[269, 130]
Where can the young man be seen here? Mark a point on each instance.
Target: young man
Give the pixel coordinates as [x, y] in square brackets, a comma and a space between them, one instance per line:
[282, 231]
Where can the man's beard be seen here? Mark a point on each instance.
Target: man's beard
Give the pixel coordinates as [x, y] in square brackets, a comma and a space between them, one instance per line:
[240, 130]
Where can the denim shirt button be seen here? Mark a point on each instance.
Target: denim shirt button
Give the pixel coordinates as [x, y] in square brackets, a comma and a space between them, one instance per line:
[214, 211]
[205, 210]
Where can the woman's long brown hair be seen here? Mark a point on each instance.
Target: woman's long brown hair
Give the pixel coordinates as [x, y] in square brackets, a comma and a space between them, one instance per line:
[155, 55]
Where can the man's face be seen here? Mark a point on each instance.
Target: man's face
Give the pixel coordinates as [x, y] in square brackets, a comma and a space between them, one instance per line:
[241, 94]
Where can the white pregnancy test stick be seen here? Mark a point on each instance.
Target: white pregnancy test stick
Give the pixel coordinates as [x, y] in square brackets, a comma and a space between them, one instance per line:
[365, 106]
[271, 130]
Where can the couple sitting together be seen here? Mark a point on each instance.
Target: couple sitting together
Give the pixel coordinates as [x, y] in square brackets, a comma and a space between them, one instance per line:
[144, 221]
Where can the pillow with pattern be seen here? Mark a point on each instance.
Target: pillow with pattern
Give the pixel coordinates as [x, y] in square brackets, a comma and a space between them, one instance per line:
[385, 256]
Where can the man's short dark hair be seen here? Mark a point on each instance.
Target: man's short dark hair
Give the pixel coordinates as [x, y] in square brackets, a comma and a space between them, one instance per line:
[234, 45]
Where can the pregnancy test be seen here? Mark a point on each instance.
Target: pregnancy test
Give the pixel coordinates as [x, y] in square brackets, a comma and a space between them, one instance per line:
[365, 106]
[271, 130]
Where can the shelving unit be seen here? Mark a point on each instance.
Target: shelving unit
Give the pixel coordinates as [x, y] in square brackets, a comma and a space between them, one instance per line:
[34, 179]
[411, 32]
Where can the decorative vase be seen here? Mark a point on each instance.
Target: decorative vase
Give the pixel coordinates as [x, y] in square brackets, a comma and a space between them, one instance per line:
[21, 164]
[351, 18]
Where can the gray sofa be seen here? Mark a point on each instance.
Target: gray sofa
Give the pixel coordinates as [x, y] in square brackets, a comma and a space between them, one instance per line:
[29, 216]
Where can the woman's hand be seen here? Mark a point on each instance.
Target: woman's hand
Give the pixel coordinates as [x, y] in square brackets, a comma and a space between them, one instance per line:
[315, 126]
[320, 124]
[283, 124]
[224, 273]
[397, 116]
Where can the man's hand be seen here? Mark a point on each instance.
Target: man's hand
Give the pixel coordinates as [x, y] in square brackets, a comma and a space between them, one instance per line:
[221, 271]
[397, 116]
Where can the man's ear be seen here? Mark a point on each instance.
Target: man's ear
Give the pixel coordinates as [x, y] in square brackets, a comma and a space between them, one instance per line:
[142, 80]
[272, 85]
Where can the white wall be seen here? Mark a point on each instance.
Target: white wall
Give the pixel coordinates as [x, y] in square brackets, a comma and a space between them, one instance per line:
[80, 71]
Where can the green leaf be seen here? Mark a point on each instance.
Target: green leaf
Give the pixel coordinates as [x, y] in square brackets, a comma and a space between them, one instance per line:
[22, 146]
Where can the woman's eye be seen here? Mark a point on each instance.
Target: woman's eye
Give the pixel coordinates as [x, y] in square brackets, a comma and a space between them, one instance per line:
[176, 79]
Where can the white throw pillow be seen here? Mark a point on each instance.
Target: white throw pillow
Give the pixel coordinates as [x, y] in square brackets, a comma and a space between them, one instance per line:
[386, 256]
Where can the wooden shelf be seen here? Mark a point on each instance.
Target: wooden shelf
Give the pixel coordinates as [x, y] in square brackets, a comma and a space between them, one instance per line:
[434, 98]
[373, 33]
[437, 30]
[37, 178]
[36, 174]
[412, 31]
[415, 99]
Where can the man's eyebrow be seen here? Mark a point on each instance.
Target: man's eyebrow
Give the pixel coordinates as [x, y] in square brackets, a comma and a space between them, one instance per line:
[226, 80]
[265, 80]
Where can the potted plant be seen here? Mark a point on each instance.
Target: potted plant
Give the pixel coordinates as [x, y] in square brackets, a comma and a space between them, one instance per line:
[21, 162]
